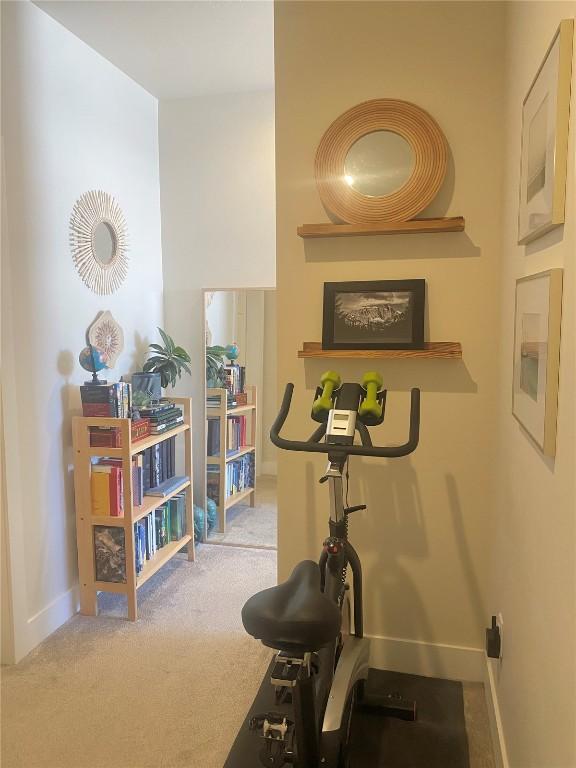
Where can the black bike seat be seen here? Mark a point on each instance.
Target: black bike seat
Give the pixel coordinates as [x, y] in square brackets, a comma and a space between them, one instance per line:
[295, 616]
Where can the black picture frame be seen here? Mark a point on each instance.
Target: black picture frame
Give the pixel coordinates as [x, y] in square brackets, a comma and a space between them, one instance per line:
[395, 322]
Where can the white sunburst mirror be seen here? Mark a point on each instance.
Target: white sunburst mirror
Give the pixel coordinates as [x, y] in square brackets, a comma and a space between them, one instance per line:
[99, 241]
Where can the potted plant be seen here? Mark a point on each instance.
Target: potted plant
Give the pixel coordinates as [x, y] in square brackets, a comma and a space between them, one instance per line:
[215, 376]
[169, 361]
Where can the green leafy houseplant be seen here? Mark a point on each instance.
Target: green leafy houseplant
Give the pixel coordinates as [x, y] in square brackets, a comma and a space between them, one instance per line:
[215, 366]
[169, 361]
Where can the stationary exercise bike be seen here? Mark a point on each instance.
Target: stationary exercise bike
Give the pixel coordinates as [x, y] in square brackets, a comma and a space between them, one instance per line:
[303, 712]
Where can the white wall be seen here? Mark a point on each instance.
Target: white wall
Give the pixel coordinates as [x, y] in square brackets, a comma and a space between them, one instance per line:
[533, 531]
[218, 219]
[71, 122]
[220, 318]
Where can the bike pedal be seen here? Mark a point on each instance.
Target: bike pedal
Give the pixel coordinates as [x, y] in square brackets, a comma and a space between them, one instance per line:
[273, 725]
[287, 669]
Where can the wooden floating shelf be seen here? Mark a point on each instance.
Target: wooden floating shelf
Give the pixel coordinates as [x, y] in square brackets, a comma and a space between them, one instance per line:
[414, 226]
[439, 349]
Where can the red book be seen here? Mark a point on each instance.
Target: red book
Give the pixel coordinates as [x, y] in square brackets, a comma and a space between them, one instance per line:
[98, 409]
[116, 493]
[137, 469]
[111, 437]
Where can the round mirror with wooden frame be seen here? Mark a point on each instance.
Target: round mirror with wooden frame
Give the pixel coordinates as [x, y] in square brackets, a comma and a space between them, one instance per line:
[381, 161]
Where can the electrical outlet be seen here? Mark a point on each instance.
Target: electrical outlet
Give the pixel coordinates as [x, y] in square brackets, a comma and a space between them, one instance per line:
[500, 625]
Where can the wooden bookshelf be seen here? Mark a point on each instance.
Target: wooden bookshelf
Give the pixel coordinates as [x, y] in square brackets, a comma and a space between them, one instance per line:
[85, 521]
[414, 226]
[222, 412]
[449, 350]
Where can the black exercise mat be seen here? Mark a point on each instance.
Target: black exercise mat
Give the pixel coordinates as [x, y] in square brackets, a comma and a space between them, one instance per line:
[436, 740]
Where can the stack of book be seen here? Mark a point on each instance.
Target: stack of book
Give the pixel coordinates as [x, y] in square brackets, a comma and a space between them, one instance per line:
[153, 473]
[108, 400]
[235, 437]
[239, 476]
[107, 485]
[235, 381]
[161, 526]
[159, 463]
[162, 417]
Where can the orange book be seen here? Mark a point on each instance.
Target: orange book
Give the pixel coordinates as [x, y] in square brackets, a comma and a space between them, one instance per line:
[107, 493]
[100, 493]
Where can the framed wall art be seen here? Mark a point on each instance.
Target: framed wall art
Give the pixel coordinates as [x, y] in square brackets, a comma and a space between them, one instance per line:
[537, 356]
[545, 121]
[374, 314]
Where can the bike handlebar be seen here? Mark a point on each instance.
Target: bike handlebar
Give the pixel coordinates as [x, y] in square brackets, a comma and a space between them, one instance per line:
[350, 450]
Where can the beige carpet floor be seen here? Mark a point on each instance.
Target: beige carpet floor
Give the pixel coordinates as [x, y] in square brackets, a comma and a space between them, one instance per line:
[252, 526]
[168, 691]
[165, 692]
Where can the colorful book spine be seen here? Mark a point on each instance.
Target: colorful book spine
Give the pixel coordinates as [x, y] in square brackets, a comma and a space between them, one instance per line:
[106, 491]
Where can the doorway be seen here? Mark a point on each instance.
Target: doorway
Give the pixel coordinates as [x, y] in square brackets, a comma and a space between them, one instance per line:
[241, 404]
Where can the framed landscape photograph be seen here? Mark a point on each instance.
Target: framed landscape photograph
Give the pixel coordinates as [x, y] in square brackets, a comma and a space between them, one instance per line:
[537, 356]
[375, 314]
[545, 122]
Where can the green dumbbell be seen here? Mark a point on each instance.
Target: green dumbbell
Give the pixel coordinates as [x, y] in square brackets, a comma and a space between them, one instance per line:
[323, 404]
[372, 382]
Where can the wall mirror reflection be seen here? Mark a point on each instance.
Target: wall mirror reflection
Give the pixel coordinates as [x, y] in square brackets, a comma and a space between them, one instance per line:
[379, 163]
[241, 404]
[104, 242]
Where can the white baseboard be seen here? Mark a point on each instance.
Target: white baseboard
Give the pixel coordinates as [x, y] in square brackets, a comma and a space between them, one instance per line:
[267, 468]
[493, 707]
[451, 662]
[48, 620]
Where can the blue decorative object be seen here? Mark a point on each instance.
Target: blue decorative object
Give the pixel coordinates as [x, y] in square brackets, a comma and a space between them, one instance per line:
[91, 360]
[212, 513]
[199, 519]
[232, 352]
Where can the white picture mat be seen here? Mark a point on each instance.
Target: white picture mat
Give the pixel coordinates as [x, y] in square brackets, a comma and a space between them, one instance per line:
[538, 321]
[537, 212]
[532, 298]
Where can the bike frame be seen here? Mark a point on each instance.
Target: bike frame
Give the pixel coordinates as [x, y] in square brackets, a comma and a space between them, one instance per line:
[325, 697]
[342, 663]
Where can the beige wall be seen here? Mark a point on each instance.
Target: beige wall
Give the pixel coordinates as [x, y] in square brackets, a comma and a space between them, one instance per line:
[534, 531]
[424, 538]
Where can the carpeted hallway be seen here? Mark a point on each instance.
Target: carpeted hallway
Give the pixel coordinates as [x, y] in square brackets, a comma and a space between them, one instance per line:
[252, 526]
[166, 692]
[169, 691]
